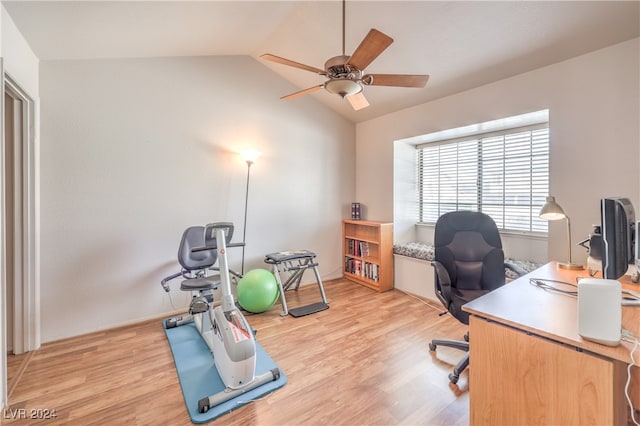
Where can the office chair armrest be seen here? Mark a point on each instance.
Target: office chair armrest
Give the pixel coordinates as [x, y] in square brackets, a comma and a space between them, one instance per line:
[515, 268]
[442, 283]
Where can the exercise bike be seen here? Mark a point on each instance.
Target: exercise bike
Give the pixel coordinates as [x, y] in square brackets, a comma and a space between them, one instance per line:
[224, 328]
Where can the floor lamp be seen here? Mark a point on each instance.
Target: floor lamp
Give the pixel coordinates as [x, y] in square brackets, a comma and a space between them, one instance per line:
[552, 211]
[250, 157]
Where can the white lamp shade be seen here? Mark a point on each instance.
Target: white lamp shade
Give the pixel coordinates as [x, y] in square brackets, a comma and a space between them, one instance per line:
[552, 210]
[250, 155]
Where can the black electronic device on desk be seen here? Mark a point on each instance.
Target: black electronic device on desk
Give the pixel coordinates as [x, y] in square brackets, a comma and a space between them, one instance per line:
[619, 231]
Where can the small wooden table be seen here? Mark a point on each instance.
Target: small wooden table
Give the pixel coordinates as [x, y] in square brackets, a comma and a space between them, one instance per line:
[530, 366]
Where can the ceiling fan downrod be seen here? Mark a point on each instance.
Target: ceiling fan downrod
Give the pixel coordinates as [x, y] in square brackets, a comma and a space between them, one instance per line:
[343, 25]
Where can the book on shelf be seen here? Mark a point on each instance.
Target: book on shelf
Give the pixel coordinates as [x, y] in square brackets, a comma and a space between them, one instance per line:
[362, 268]
[357, 248]
[364, 248]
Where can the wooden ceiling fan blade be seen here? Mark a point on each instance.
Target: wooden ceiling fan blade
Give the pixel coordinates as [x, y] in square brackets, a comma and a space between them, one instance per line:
[395, 80]
[303, 92]
[358, 101]
[283, 61]
[369, 49]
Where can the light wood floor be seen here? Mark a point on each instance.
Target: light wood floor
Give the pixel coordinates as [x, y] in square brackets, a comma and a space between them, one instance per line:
[364, 361]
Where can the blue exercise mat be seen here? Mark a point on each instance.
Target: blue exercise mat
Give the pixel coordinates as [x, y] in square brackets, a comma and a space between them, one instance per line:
[199, 377]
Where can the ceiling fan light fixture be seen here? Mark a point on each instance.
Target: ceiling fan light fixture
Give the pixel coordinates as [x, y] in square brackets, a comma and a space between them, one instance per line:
[343, 87]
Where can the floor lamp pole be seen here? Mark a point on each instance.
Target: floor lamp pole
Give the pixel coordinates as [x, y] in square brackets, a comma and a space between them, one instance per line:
[569, 238]
[246, 205]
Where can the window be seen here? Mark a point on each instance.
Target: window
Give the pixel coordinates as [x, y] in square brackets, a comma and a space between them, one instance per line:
[504, 174]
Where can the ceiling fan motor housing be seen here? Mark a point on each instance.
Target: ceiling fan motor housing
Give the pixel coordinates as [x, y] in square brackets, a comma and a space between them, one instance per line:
[343, 78]
[337, 67]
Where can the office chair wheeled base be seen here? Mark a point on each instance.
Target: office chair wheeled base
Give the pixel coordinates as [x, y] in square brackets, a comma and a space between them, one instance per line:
[456, 344]
[458, 369]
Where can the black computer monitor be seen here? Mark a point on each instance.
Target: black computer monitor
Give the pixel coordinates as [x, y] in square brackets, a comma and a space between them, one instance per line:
[618, 227]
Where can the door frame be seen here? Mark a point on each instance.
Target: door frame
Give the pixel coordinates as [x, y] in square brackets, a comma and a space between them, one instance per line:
[26, 301]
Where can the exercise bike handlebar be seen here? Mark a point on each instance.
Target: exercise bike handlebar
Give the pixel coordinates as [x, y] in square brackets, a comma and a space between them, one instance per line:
[231, 271]
[236, 245]
[215, 247]
[165, 281]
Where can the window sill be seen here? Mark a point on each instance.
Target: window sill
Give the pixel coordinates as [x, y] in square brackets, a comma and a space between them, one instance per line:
[519, 234]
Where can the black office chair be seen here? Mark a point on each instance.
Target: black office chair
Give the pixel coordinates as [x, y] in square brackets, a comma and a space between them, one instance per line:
[468, 263]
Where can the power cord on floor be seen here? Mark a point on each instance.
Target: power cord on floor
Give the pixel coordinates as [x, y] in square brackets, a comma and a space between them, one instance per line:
[424, 302]
[633, 338]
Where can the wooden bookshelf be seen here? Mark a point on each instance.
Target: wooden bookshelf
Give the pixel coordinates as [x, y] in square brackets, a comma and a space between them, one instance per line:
[367, 249]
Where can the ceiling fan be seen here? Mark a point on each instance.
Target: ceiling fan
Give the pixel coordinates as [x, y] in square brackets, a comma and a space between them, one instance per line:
[346, 76]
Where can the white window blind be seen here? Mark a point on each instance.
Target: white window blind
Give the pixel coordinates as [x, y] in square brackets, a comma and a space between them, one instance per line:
[503, 174]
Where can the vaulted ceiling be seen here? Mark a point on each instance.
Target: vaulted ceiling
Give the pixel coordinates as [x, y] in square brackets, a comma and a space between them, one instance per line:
[460, 44]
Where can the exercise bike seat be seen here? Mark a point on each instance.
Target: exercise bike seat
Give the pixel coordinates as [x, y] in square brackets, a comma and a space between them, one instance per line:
[205, 283]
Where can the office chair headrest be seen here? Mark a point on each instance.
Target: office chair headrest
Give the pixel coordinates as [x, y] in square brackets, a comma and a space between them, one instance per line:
[450, 223]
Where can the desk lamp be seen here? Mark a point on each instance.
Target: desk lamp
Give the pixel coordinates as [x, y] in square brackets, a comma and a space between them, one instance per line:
[552, 211]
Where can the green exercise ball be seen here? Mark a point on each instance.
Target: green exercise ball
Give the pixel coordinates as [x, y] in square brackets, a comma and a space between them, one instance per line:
[257, 290]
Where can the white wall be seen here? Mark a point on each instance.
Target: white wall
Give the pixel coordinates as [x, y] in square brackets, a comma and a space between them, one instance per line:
[594, 107]
[19, 60]
[405, 211]
[136, 150]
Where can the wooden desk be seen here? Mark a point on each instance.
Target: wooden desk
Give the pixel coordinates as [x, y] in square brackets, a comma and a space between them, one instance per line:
[530, 366]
